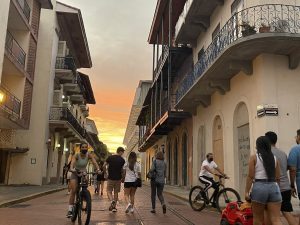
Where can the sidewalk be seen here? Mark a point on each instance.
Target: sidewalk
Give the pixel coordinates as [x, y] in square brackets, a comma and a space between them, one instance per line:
[15, 194]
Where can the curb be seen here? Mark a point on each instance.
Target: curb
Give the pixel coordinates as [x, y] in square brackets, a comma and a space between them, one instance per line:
[29, 197]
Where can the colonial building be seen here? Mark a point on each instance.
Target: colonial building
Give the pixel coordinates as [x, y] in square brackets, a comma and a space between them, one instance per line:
[19, 37]
[60, 100]
[244, 79]
[162, 126]
[131, 138]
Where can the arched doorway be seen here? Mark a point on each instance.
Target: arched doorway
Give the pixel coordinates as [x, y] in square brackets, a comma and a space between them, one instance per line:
[184, 159]
[175, 159]
[218, 150]
[241, 144]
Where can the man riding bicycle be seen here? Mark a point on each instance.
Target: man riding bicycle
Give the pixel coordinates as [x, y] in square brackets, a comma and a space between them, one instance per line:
[79, 163]
[208, 171]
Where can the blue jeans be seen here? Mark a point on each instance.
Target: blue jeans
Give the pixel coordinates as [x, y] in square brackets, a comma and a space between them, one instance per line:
[157, 188]
[265, 192]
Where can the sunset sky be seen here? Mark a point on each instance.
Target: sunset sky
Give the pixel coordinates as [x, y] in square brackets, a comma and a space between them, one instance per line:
[117, 31]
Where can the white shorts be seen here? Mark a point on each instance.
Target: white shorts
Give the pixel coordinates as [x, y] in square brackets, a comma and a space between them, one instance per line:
[69, 175]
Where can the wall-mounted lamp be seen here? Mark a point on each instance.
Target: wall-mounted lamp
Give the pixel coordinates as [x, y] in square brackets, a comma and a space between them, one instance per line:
[63, 96]
[58, 146]
[2, 96]
[66, 149]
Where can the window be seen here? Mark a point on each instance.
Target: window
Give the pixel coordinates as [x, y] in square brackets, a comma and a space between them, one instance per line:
[236, 6]
[216, 32]
[200, 54]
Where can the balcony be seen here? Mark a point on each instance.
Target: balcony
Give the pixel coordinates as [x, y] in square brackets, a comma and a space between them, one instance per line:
[25, 8]
[163, 122]
[61, 117]
[194, 19]
[15, 50]
[178, 55]
[271, 28]
[9, 103]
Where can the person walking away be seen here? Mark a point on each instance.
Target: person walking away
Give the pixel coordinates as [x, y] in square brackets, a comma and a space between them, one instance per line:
[264, 171]
[294, 167]
[115, 165]
[284, 183]
[100, 178]
[79, 163]
[207, 171]
[95, 181]
[157, 184]
[131, 172]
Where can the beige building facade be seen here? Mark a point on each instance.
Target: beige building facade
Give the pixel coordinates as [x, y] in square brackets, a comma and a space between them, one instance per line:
[60, 100]
[244, 79]
[232, 68]
[20, 21]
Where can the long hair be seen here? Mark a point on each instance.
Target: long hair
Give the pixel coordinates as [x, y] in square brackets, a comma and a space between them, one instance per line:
[132, 158]
[264, 152]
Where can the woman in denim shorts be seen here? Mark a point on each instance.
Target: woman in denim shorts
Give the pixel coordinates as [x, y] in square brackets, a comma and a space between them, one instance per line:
[264, 171]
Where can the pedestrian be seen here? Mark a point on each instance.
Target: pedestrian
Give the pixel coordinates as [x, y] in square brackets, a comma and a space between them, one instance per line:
[131, 172]
[284, 184]
[263, 173]
[115, 165]
[294, 166]
[159, 168]
[95, 174]
[69, 173]
[100, 178]
[78, 165]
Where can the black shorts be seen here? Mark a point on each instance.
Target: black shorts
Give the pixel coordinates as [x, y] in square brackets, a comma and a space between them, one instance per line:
[286, 205]
[129, 185]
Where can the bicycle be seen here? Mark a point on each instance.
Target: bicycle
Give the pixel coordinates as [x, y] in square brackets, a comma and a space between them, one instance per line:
[198, 198]
[83, 203]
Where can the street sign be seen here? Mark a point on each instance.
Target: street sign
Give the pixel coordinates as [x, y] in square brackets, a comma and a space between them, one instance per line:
[267, 110]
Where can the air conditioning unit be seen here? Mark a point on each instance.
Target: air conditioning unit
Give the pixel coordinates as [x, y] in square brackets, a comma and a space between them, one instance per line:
[63, 49]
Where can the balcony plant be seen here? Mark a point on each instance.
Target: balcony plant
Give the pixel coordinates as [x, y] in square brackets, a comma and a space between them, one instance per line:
[264, 28]
[247, 29]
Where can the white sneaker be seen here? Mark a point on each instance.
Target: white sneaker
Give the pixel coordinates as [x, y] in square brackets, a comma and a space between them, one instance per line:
[128, 208]
[132, 209]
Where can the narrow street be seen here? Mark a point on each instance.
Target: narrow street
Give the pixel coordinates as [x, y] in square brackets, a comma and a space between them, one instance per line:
[51, 209]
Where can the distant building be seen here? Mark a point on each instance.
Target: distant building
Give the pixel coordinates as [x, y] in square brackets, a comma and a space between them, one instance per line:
[131, 138]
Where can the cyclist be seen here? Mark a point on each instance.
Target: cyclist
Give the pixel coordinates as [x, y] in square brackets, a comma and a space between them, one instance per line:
[79, 163]
[206, 175]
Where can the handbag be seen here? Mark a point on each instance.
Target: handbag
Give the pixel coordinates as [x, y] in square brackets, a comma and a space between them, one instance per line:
[152, 173]
[138, 182]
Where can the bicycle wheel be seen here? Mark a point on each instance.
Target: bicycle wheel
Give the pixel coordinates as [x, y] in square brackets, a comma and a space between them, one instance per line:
[225, 196]
[196, 199]
[84, 212]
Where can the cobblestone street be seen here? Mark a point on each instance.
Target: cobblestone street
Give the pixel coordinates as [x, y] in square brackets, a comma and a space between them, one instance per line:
[51, 209]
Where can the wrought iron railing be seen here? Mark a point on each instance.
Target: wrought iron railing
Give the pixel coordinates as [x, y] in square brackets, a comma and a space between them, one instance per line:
[25, 8]
[13, 47]
[272, 18]
[65, 63]
[64, 114]
[162, 59]
[9, 102]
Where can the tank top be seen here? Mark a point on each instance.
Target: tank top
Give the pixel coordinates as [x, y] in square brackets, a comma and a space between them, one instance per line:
[81, 163]
[260, 172]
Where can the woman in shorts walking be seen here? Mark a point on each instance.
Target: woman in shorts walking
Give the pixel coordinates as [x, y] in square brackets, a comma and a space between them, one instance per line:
[132, 171]
[264, 172]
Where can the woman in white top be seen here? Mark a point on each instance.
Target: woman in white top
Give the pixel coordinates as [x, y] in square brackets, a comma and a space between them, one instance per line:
[131, 171]
[264, 172]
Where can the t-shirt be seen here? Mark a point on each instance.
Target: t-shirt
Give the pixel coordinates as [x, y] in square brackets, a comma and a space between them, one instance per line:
[203, 172]
[294, 161]
[115, 166]
[284, 183]
[132, 175]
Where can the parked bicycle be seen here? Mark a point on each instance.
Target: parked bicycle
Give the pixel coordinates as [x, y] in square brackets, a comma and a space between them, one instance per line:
[83, 203]
[199, 198]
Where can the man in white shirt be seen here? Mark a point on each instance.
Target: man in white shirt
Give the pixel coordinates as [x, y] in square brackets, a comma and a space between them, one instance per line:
[208, 171]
